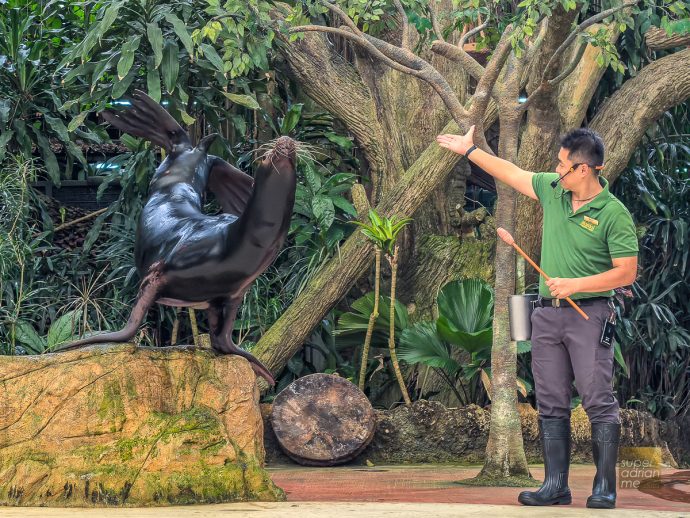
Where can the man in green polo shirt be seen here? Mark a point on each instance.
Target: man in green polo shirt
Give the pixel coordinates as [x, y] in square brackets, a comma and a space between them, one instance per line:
[589, 248]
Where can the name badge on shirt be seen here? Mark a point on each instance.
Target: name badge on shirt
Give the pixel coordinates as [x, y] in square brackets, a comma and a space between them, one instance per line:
[589, 223]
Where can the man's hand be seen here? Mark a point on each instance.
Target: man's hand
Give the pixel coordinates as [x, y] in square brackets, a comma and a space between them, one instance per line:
[458, 143]
[562, 288]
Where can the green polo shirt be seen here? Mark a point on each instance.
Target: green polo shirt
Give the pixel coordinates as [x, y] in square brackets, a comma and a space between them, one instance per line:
[582, 243]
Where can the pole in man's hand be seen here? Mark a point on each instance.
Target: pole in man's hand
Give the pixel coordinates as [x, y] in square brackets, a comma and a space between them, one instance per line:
[508, 239]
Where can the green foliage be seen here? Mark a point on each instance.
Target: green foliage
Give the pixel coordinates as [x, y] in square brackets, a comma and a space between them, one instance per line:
[32, 108]
[655, 336]
[382, 231]
[465, 314]
[352, 325]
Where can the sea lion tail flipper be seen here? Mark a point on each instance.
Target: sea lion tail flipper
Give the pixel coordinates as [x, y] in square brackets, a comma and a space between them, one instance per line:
[231, 187]
[148, 293]
[149, 120]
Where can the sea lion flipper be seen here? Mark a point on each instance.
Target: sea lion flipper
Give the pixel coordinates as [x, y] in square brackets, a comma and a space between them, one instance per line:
[148, 119]
[231, 187]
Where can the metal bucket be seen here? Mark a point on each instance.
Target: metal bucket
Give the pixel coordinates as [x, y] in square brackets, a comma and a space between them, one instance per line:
[520, 312]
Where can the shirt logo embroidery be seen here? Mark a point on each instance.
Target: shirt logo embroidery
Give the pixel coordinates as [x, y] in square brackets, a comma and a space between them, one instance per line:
[591, 220]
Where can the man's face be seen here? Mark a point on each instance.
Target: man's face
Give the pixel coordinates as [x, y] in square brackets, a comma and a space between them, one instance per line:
[565, 166]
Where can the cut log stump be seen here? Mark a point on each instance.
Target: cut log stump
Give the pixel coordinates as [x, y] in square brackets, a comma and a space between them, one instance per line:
[322, 420]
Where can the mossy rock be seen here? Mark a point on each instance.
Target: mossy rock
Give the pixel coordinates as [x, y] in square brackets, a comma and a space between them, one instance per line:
[121, 425]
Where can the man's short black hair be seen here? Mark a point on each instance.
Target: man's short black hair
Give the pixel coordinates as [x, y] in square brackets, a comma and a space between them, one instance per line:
[584, 147]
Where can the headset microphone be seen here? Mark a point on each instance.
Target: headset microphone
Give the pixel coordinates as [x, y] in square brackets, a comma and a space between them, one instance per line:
[554, 184]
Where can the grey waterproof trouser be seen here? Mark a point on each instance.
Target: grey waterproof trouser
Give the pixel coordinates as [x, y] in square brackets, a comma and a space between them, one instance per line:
[565, 347]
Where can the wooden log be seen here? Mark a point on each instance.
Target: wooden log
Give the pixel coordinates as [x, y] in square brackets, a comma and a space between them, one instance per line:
[322, 420]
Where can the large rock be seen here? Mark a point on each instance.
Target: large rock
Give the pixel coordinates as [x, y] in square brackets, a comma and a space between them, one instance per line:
[120, 425]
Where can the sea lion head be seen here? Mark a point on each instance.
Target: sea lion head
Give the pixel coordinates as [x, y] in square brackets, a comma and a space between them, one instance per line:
[283, 155]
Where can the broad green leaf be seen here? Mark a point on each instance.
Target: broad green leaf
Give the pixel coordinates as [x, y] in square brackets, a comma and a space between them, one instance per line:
[5, 137]
[153, 81]
[170, 66]
[248, 101]
[63, 329]
[181, 30]
[352, 325]
[213, 57]
[343, 142]
[59, 128]
[98, 72]
[77, 121]
[345, 206]
[188, 119]
[312, 177]
[323, 210]
[465, 311]
[291, 118]
[120, 88]
[127, 57]
[29, 338]
[422, 344]
[109, 17]
[155, 36]
[49, 158]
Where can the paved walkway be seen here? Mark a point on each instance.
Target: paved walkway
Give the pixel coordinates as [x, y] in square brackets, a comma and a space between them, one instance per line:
[402, 491]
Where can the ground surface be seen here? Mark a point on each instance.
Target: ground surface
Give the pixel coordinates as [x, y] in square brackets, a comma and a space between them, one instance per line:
[399, 491]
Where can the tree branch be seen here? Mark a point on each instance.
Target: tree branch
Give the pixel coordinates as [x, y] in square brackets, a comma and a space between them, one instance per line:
[399, 59]
[482, 94]
[361, 41]
[472, 32]
[657, 39]
[639, 103]
[548, 83]
[584, 25]
[405, 25]
[435, 25]
[460, 56]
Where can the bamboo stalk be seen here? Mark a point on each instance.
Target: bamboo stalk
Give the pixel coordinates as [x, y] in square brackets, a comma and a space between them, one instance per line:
[372, 320]
[391, 336]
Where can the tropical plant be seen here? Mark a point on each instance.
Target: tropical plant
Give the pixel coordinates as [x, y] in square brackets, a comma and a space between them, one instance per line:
[655, 332]
[464, 322]
[62, 330]
[32, 113]
[383, 233]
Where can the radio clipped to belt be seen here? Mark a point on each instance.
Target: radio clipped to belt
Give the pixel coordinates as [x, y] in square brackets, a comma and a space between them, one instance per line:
[608, 330]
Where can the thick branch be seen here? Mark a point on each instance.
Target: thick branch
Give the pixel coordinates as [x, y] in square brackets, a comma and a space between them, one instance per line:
[547, 82]
[638, 104]
[399, 59]
[657, 39]
[482, 94]
[580, 28]
[405, 25]
[337, 86]
[458, 55]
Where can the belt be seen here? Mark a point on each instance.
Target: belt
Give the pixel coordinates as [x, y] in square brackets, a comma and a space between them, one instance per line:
[542, 302]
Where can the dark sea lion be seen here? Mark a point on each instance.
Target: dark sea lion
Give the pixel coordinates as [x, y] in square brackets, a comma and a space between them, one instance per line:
[187, 258]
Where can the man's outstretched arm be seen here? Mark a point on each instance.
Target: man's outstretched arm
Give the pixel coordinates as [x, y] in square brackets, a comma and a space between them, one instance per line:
[502, 170]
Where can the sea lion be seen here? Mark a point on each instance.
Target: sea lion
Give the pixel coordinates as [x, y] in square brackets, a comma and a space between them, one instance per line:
[188, 258]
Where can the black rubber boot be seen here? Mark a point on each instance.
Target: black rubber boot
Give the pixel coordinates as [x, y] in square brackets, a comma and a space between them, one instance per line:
[555, 440]
[605, 439]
